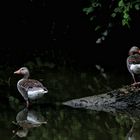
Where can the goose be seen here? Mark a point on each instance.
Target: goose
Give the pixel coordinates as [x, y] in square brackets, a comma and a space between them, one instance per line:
[30, 89]
[133, 63]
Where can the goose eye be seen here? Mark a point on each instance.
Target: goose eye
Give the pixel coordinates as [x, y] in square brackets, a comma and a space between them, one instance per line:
[22, 69]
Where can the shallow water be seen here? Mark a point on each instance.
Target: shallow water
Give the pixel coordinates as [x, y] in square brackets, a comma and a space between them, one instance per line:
[49, 119]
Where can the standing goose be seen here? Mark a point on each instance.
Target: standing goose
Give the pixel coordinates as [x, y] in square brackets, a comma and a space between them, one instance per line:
[133, 63]
[29, 88]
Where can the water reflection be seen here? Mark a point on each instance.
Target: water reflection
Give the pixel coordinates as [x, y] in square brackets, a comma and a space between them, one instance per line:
[134, 132]
[66, 123]
[128, 120]
[27, 119]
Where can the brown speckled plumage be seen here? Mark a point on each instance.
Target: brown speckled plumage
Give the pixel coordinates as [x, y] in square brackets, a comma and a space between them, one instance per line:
[29, 88]
[133, 62]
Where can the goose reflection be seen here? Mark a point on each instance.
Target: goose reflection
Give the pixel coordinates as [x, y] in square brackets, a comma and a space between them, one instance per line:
[27, 119]
[134, 132]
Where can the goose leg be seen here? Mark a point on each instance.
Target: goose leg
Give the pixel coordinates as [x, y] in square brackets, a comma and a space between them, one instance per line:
[27, 103]
[134, 78]
[137, 84]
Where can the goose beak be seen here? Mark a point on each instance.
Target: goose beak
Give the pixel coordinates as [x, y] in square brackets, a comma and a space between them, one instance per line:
[17, 72]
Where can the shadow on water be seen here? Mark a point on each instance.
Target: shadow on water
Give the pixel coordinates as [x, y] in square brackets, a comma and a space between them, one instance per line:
[48, 119]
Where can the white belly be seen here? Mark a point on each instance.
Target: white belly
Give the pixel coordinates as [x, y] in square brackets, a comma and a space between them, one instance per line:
[135, 68]
[35, 94]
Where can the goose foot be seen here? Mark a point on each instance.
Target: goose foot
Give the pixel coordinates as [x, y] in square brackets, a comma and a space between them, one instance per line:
[136, 84]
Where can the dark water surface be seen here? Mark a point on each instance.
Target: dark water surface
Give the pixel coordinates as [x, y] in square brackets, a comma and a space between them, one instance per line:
[48, 119]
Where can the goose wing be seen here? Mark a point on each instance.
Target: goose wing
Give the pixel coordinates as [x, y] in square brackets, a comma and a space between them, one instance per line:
[31, 83]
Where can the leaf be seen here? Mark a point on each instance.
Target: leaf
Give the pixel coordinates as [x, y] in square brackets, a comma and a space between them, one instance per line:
[117, 9]
[124, 22]
[97, 28]
[96, 4]
[137, 7]
[126, 16]
[113, 15]
[121, 3]
[88, 10]
[91, 18]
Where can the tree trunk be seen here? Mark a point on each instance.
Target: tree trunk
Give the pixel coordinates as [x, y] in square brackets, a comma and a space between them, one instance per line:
[127, 97]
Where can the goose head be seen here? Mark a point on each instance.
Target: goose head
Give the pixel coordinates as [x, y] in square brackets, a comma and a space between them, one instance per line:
[23, 71]
[134, 50]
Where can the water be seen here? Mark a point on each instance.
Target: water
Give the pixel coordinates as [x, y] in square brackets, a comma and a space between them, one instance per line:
[49, 119]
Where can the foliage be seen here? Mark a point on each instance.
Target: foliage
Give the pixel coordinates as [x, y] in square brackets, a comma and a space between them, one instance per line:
[107, 13]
